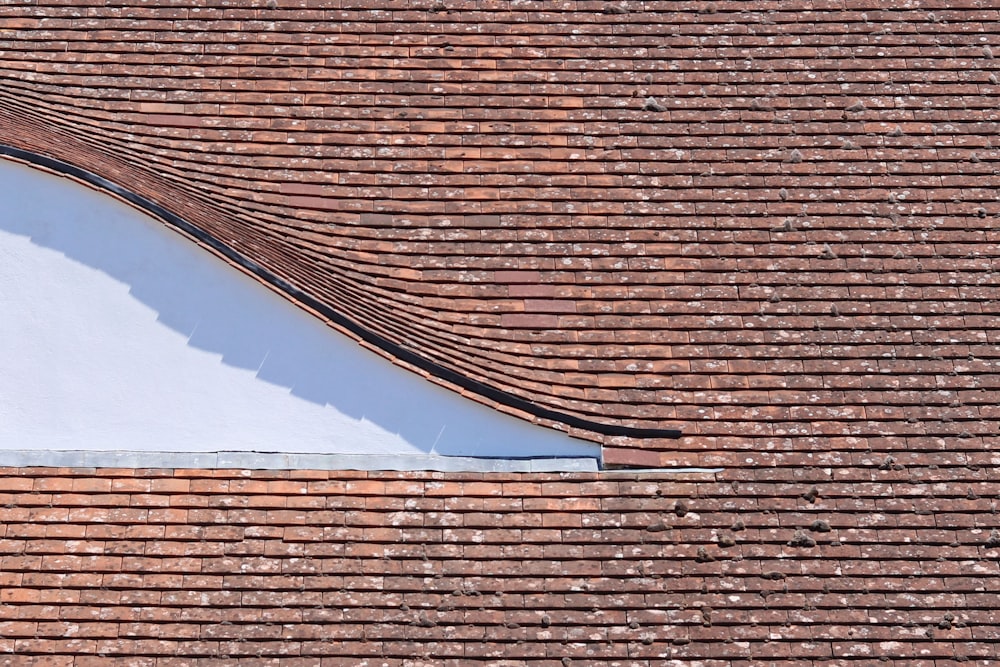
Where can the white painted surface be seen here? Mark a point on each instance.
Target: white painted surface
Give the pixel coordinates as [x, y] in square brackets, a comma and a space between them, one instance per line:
[116, 333]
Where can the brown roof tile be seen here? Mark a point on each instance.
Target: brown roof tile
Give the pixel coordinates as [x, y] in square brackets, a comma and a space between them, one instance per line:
[772, 227]
[488, 182]
[601, 568]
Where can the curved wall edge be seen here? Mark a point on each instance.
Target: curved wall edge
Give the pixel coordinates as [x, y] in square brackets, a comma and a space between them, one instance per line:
[298, 295]
[120, 335]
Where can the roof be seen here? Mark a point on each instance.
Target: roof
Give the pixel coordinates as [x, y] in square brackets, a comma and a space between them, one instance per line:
[151, 567]
[766, 227]
[773, 228]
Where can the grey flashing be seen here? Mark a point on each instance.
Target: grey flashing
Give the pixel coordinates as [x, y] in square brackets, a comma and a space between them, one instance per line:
[284, 461]
[672, 471]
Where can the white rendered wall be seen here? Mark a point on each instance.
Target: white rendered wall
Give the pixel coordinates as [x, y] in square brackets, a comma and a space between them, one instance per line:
[116, 333]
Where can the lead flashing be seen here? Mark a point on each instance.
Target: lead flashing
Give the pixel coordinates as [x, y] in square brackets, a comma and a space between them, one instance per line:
[283, 461]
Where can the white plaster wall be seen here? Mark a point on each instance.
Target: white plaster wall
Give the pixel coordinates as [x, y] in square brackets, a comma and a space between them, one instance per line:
[116, 333]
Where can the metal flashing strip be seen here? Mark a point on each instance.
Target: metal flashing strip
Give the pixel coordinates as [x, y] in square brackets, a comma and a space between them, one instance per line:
[392, 349]
[611, 472]
[234, 460]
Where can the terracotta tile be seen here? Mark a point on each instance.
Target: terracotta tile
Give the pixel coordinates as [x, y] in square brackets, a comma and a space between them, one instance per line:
[789, 254]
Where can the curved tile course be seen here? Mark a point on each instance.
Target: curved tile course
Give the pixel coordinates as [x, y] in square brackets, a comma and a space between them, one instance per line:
[771, 224]
[772, 227]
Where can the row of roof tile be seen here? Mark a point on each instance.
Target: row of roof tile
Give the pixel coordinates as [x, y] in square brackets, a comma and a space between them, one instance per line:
[598, 568]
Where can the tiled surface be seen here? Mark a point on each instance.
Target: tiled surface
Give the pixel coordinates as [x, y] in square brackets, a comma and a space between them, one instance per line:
[790, 252]
[772, 566]
[770, 227]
